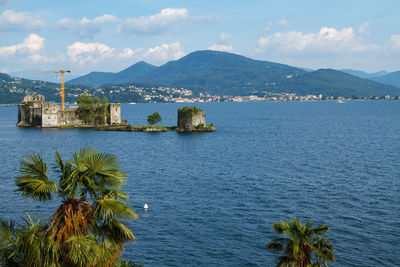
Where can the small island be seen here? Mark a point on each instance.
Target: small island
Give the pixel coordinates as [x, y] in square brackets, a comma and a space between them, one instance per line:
[35, 112]
[190, 120]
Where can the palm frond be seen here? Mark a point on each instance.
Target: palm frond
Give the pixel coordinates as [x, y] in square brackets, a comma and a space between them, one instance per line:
[277, 245]
[7, 242]
[34, 182]
[301, 243]
[281, 227]
[116, 233]
[286, 261]
[83, 250]
[320, 230]
[110, 208]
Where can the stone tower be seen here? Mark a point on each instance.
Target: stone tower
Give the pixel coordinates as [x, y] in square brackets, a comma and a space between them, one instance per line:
[190, 117]
[115, 114]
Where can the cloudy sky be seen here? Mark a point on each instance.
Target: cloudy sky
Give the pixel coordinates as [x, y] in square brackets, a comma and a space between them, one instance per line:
[109, 35]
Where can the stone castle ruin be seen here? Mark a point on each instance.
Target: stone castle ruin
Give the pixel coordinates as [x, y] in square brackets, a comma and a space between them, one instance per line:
[191, 119]
[36, 112]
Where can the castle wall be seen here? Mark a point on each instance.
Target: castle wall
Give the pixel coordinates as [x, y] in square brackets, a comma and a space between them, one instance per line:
[199, 118]
[184, 122]
[189, 122]
[68, 117]
[21, 114]
[35, 118]
[37, 112]
[49, 115]
[115, 113]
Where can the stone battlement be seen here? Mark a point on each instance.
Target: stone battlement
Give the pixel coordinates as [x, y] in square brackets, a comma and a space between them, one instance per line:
[192, 119]
[36, 112]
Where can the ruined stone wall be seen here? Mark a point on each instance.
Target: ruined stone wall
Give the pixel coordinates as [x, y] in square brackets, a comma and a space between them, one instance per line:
[68, 117]
[115, 114]
[21, 114]
[49, 115]
[36, 112]
[29, 114]
[35, 118]
[199, 118]
[189, 121]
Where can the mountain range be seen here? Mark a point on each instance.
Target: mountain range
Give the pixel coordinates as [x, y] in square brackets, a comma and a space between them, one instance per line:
[222, 73]
[390, 78]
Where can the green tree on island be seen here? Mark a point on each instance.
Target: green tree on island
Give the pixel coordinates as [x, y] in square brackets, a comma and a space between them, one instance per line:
[85, 109]
[154, 118]
[301, 245]
[100, 110]
[92, 110]
[87, 229]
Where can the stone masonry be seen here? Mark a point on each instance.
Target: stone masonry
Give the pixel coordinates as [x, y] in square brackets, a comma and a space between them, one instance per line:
[36, 112]
[190, 117]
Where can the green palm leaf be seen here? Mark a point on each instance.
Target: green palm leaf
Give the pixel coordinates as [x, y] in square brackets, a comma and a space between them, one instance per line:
[34, 182]
[86, 229]
[110, 208]
[302, 244]
[83, 250]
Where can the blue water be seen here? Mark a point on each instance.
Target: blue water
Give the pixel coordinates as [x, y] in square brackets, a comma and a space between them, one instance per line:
[213, 196]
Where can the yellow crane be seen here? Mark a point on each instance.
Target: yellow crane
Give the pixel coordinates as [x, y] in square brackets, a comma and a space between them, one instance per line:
[62, 83]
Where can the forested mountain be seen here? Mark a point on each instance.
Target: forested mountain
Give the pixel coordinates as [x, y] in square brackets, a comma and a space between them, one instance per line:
[336, 83]
[392, 78]
[131, 74]
[207, 72]
[222, 73]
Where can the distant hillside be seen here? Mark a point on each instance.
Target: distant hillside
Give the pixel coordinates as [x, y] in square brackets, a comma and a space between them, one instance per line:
[130, 74]
[211, 71]
[93, 79]
[33, 75]
[335, 83]
[392, 78]
[363, 74]
[222, 73]
[13, 90]
[133, 73]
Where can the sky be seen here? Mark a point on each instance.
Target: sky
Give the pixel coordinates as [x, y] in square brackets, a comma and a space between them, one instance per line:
[99, 35]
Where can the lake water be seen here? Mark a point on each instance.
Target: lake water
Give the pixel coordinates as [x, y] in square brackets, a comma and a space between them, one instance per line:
[214, 196]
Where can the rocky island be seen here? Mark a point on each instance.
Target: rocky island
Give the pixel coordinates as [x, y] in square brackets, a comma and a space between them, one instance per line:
[102, 116]
[190, 120]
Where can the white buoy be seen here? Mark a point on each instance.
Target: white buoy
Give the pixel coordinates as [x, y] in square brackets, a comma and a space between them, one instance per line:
[146, 206]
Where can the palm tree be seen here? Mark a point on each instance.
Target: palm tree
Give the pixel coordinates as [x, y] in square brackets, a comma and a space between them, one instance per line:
[301, 244]
[87, 229]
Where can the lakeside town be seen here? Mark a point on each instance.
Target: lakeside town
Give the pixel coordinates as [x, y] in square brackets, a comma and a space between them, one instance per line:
[132, 93]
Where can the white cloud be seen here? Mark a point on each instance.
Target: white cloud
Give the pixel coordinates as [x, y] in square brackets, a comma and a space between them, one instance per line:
[395, 42]
[30, 51]
[85, 28]
[364, 29]
[154, 23]
[89, 52]
[82, 53]
[327, 40]
[32, 44]
[224, 37]
[206, 18]
[219, 47]
[164, 52]
[280, 22]
[19, 21]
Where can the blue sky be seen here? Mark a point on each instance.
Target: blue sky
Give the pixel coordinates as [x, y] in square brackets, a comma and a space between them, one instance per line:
[108, 35]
